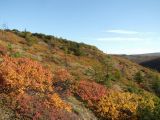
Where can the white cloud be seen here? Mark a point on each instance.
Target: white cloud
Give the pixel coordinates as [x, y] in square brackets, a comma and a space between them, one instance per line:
[121, 39]
[119, 31]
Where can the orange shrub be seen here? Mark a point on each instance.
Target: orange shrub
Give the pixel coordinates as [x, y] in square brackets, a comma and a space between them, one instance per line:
[62, 82]
[23, 73]
[62, 75]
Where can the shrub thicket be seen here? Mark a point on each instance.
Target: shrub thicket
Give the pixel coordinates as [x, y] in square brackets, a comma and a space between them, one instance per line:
[26, 87]
[90, 92]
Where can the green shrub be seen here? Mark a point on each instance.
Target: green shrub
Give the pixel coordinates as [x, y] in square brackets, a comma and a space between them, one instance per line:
[133, 89]
[156, 84]
[146, 113]
[156, 112]
[30, 39]
[10, 47]
[139, 77]
[16, 55]
[117, 74]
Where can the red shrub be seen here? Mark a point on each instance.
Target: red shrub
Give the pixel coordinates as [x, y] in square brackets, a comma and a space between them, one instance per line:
[90, 91]
[39, 108]
[3, 50]
[32, 107]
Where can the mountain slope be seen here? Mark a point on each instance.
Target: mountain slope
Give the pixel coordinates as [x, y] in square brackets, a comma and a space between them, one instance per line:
[80, 75]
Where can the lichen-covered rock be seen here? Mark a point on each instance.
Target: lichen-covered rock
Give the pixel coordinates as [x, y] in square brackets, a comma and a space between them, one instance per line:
[79, 108]
[6, 114]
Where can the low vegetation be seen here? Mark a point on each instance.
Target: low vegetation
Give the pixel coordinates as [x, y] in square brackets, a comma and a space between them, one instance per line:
[43, 77]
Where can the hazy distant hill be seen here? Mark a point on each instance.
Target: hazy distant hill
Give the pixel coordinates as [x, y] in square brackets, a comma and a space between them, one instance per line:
[154, 64]
[152, 54]
[151, 60]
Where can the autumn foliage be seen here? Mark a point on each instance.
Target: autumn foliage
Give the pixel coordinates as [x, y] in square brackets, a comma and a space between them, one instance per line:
[23, 73]
[61, 75]
[123, 105]
[116, 105]
[113, 104]
[59, 103]
[27, 87]
[30, 91]
[34, 93]
[62, 82]
[40, 108]
[90, 91]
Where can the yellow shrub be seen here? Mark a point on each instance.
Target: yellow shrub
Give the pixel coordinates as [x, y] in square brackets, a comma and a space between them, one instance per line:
[147, 100]
[59, 103]
[117, 105]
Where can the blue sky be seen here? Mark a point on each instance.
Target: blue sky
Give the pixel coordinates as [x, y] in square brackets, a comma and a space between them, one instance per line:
[114, 26]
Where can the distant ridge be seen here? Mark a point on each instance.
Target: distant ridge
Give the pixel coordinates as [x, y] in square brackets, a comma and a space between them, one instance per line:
[154, 64]
[150, 60]
[148, 54]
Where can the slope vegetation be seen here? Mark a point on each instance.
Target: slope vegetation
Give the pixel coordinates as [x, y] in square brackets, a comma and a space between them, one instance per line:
[43, 77]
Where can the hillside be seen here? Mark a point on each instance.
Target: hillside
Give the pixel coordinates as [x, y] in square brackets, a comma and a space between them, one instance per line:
[43, 77]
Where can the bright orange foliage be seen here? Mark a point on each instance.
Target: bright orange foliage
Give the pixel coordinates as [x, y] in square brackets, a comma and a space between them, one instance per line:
[62, 75]
[23, 73]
